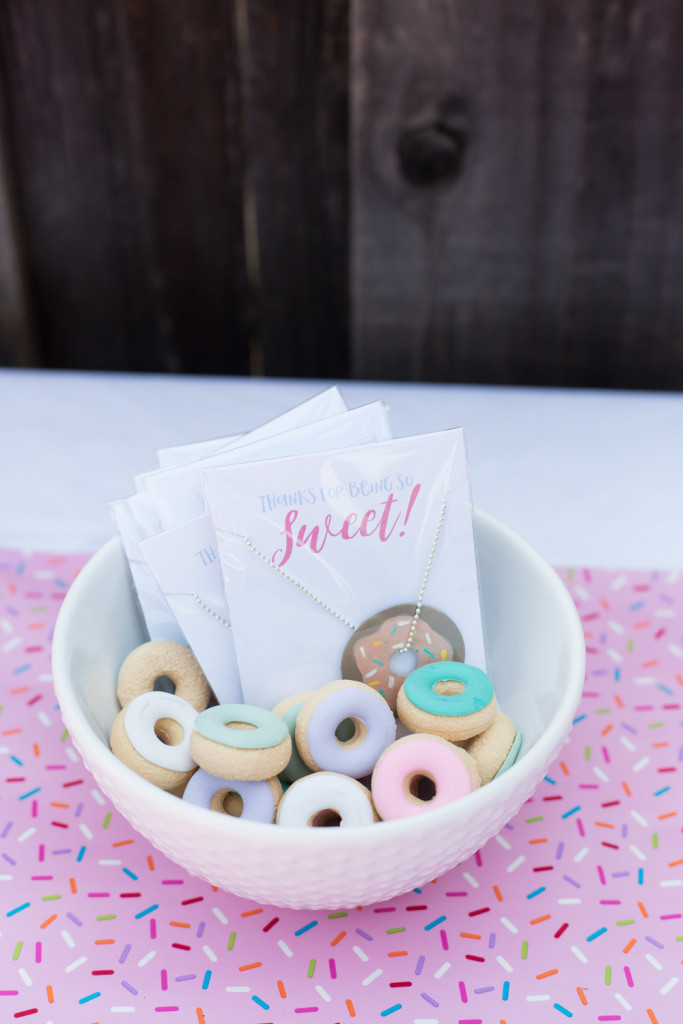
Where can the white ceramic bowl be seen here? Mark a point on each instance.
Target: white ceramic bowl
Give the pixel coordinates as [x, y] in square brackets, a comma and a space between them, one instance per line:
[536, 660]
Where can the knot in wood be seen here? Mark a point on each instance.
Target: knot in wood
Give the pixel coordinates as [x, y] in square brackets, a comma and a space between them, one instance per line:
[430, 154]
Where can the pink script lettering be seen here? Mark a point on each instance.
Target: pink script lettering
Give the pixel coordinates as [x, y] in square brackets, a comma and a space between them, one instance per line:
[299, 534]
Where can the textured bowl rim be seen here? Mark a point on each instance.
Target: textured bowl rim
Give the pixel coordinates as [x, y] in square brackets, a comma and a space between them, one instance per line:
[182, 814]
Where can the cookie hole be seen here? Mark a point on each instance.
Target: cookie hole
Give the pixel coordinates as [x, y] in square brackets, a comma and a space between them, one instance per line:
[164, 684]
[239, 725]
[227, 801]
[327, 818]
[421, 788]
[449, 687]
[169, 731]
[345, 731]
[353, 730]
[402, 663]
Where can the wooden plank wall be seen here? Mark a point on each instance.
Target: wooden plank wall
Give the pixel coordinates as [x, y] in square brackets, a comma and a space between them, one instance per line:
[548, 247]
[457, 190]
[296, 77]
[17, 337]
[124, 124]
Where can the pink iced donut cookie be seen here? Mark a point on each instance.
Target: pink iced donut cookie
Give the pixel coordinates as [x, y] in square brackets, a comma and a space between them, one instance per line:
[155, 659]
[152, 736]
[368, 654]
[420, 772]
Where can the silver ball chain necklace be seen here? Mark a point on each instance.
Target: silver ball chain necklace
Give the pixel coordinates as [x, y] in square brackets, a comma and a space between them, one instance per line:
[211, 612]
[323, 604]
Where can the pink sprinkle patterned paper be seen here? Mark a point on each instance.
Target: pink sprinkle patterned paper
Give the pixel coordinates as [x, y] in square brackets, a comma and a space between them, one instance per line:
[575, 911]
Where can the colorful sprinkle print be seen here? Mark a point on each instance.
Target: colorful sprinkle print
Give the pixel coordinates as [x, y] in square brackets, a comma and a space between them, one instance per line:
[574, 912]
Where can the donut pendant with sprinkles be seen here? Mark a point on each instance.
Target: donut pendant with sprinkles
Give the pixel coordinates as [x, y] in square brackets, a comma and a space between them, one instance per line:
[374, 655]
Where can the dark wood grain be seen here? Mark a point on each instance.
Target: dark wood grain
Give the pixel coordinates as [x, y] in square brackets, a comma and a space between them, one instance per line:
[296, 76]
[555, 255]
[506, 208]
[17, 338]
[634, 107]
[124, 127]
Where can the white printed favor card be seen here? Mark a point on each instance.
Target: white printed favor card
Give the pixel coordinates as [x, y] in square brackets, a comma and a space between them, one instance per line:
[185, 566]
[328, 558]
[135, 522]
[176, 494]
[327, 403]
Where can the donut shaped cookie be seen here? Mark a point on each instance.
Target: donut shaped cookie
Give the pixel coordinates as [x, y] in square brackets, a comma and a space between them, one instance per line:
[492, 746]
[450, 699]
[367, 656]
[288, 709]
[513, 754]
[253, 801]
[420, 772]
[157, 658]
[326, 799]
[240, 741]
[318, 728]
[152, 736]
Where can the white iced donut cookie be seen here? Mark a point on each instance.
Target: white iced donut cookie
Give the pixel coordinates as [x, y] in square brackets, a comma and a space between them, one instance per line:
[326, 799]
[152, 736]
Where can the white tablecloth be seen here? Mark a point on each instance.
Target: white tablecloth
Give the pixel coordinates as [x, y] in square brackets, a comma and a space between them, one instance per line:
[590, 478]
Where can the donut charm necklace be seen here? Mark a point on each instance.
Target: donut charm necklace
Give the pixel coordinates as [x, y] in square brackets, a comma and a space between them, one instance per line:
[394, 641]
[336, 614]
[391, 644]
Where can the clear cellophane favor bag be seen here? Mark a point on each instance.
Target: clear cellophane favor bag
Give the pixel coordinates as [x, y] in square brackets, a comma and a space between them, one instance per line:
[325, 554]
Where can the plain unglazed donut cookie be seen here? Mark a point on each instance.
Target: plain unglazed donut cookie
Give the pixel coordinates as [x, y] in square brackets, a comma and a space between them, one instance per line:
[420, 772]
[318, 722]
[240, 741]
[326, 799]
[156, 658]
[253, 800]
[368, 653]
[152, 736]
[491, 747]
[450, 699]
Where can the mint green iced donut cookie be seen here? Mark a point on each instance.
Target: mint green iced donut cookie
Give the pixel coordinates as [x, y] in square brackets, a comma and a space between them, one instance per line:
[447, 698]
[240, 741]
[288, 709]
